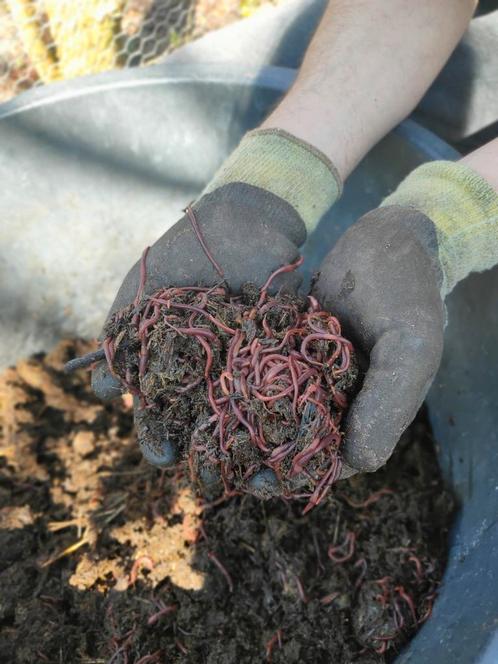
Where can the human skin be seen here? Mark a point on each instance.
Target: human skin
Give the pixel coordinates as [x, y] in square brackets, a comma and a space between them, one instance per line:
[368, 65]
[484, 161]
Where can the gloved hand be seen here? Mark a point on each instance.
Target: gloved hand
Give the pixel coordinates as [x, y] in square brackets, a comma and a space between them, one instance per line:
[253, 217]
[386, 280]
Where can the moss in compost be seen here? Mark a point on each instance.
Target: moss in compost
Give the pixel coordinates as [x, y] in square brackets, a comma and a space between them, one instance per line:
[162, 577]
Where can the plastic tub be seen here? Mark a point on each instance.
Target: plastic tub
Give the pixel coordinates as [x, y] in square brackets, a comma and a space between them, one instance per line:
[93, 170]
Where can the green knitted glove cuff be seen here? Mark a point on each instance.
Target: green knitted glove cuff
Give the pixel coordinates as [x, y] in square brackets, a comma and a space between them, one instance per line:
[464, 209]
[284, 165]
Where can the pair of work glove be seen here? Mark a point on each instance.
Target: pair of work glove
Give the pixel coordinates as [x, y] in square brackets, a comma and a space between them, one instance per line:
[385, 279]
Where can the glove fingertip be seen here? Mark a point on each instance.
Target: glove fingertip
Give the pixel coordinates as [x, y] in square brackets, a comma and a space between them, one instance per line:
[153, 437]
[366, 447]
[161, 453]
[265, 484]
[105, 386]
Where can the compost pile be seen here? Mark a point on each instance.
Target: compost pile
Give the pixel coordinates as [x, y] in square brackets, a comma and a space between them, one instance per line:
[239, 383]
[104, 558]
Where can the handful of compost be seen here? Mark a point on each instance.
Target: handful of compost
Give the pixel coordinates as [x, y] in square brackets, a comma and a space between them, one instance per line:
[236, 384]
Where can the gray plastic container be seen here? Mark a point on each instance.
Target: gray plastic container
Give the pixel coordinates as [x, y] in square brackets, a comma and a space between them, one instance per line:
[93, 170]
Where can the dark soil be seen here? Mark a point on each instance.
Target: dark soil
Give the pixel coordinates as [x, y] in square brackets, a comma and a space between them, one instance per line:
[238, 383]
[105, 559]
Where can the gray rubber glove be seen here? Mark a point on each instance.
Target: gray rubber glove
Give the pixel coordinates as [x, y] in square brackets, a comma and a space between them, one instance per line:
[382, 280]
[253, 217]
[386, 280]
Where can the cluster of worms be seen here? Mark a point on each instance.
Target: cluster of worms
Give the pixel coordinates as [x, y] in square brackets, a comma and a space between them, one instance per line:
[404, 607]
[255, 356]
[395, 601]
[399, 602]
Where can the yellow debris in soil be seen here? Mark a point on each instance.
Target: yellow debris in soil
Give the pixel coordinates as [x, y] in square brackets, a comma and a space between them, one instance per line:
[92, 467]
[166, 546]
[16, 517]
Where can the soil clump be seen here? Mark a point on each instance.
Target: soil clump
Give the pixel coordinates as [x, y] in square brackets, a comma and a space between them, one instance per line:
[238, 384]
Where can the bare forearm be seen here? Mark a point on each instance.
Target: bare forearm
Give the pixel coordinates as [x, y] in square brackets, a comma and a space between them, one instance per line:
[485, 162]
[367, 67]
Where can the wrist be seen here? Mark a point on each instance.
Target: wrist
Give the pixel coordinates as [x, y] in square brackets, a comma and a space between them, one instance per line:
[285, 166]
[327, 126]
[484, 161]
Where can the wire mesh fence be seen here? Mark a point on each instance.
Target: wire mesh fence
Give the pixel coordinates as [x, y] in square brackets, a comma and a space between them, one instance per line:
[49, 40]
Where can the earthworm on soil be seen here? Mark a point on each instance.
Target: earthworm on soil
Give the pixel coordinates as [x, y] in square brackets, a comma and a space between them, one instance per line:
[149, 659]
[212, 556]
[270, 645]
[390, 598]
[343, 552]
[373, 498]
[143, 561]
[328, 599]
[164, 610]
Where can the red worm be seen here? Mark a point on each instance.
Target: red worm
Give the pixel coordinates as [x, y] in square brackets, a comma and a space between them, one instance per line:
[274, 397]
[295, 384]
[143, 561]
[242, 420]
[324, 485]
[340, 399]
[163, 611]
[372, 498]
[319, 337]
[109, 354]
[181, 647]
[143, 357]
[346, 549]
[200, 335]
[428, 612]
[149, 322]
[281, 270]
[211, 400]
[215, 321]
[345, 360]
[409, 601]
[261, 368]
[267, 329]
[270, 645]
[290, 333]
[195, 225]
[199, 332]
[313, 303]
[318, 444]
[363, 564]
[212, 556]
[399, 620]
[274, 371]
[260, 441]
[285, 392]
[301, 591]
[189, 386]
[418, 566]
[224, 376]
[243, 387]
[328, 599]
[280, 452]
